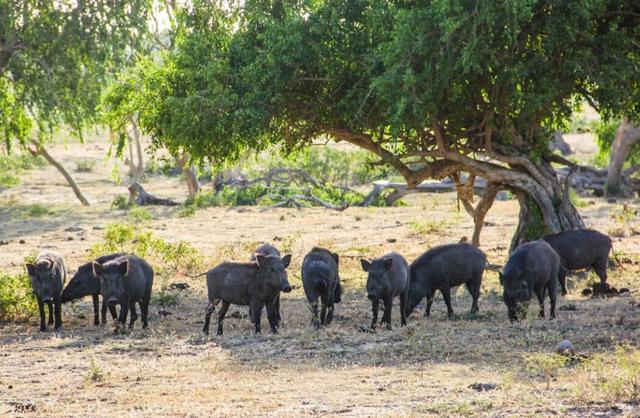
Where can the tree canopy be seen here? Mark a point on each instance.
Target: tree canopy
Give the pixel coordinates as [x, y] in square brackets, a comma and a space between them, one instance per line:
[55, 56]
[434, 89]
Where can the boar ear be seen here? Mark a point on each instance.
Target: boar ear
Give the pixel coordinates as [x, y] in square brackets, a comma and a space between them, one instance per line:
[31, 269]
[124, 267]
[261, 260]
[501, 278]
[97, 269]
[366, 265]
[286, 260]
[388, 263]
[336, 257]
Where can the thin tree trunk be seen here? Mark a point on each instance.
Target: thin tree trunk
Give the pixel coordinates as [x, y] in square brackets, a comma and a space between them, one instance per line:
[189, 174]
[41, 150]
[626, 136]
[481, 210]
[139, 170]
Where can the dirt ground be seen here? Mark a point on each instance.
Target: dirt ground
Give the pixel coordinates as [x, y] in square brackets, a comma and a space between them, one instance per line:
[428, 368]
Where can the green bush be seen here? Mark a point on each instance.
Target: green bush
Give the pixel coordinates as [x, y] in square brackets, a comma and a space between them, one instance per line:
[85, 165]
[121, 202]
[16, 297]
[166, 257]
[11, 166]
[262, 195]
[138, 214]
[332, 164]
[164, 298]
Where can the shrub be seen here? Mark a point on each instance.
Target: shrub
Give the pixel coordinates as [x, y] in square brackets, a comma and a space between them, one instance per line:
[16, 297]
[138, 214]
[611, 376]
[121, 202]
[419, 227]
[166, 257]
[85, 165]
[11, 166]
[545, 364]
[164, 298]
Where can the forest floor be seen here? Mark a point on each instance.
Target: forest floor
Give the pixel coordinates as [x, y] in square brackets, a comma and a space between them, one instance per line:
[468, 365]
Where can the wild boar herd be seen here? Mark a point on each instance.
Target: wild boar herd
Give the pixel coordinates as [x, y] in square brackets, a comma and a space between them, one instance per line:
[123, 279]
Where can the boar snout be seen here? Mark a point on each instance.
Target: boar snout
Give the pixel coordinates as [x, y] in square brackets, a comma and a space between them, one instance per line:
[371, 296]
[113, 301]
[47, 299]
[286, 288]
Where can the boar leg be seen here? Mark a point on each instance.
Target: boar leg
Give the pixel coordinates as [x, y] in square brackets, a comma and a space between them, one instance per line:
[330, 307]
[207, 317]
[562, 278]
[256, 307]
[541, 294]
[474, 289]
[144, 309]
[50, 304]
[403, 308]
[134, 314]
[388, 304]
[600, 266]
[96, 309]
[276, 307]
[58, 310]
[223, 311]
[313, 307]
[43, 327]
[552, 297]
[446, 295]
[431, 295]
[324, 299]
[124, 311]
[375, 305]
[272, 317]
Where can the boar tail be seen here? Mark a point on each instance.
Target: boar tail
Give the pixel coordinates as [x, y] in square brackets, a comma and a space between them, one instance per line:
[197, 275]
[615, 257]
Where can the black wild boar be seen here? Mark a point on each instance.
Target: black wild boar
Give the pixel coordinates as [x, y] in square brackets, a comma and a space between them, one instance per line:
[580, 249]
[48, 275]
[442, 268]
[125, 281]
[532, 268]
[320, 279]
[388, 277]
[254, 283]
[84, 284]
[267, 249]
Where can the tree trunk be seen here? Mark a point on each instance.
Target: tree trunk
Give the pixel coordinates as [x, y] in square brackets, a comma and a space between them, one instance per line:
[139, 172]
[532, 222]
[481, 210]
[189, 174]
[40, 150]
[626, 136]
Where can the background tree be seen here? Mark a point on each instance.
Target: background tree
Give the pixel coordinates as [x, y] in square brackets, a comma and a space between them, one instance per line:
[625, 145]
[122, 100]
[434, 89]
[54, 59]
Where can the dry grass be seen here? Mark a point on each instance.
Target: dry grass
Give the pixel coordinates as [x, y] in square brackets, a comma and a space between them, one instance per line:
[426, 368]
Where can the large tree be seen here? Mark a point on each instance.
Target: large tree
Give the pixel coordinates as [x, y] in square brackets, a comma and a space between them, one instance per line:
[55, 56]
[433, 88]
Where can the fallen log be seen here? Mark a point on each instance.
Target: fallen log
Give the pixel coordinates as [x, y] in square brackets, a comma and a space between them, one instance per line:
[289, 201]
[588, 180]
[402, 189]
[140, 197]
